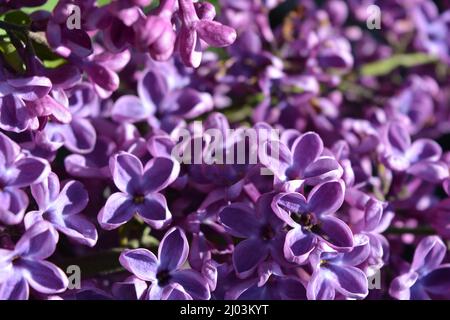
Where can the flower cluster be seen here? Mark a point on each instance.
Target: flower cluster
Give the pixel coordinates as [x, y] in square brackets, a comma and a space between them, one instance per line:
[116, 118]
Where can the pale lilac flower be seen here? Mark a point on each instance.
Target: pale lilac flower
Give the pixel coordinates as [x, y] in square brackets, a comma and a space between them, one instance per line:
[25, 266]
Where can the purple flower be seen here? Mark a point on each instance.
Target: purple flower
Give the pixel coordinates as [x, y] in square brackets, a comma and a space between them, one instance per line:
[161, 93]
[79, 135]
[25, 265]
[193, 30]
[62, 209]
[19, 102]
[139, 191]
[304, 161]
[420, 159]
[261, 229]
[427, 277]
[17, 171]
[312, 220]
[131, 288]
[338, 273]
[169, 281]
[272, 284]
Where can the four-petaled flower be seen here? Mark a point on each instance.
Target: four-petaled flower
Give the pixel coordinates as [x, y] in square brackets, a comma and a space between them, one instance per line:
[25, 265]
[169, 281]
[139, 191]
[312, 220]
[61, 208]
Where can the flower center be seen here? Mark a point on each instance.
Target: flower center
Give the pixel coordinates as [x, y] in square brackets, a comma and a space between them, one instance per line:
[306, 220]
[267, 232]
[139, 199]
[163, 277]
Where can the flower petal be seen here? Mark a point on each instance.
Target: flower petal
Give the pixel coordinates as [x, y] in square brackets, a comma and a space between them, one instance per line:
[326, 198]
[126, 170]
[194, 284]
[336, 232]
[349, 281]
[319, 287]
[159, 173]
[15, 288]
[38, 242]
[72, 199]
[240, 220]
[247, 255]
[129, 109]
[29, 170]
[323, 169]
[307, 148]
[173, 249]
[44, 276]
[118, 210]
[154, 211]
[298, 245]
[141, 262]
[429, 254]
[215, 33]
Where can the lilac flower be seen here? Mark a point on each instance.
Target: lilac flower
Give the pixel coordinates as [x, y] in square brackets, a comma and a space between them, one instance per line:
[427, 277]
[304, 161]
[312, 220]
[338, 273]
[272, 284]
[420, 158]
[62, 209]
[168, 280]
[432, 30]
[139, 191]
[17, 171]
[15, 98]
[67, 41]
[25, 265]
[79, 135]
[193, 30]
[155, 33]
[161, 93]
[131, 288]
[93, 164]
[261, 228]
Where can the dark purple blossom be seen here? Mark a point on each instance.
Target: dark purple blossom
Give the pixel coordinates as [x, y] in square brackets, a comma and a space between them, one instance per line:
[168, 281]
[427, 277]
[62, 207]
[17, 170]
[25, 266]
[312, 220]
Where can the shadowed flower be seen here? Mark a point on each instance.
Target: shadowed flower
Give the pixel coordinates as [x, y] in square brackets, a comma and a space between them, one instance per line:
[17, 171]
[312, 220]
[169, 281]
[62, 209]
[427, 277]
[25, 265]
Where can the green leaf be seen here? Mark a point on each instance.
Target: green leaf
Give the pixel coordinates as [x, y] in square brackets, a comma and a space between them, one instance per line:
[102, 3]
[386, 66]
[11, 56]
[48, 6]
[17, 17]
